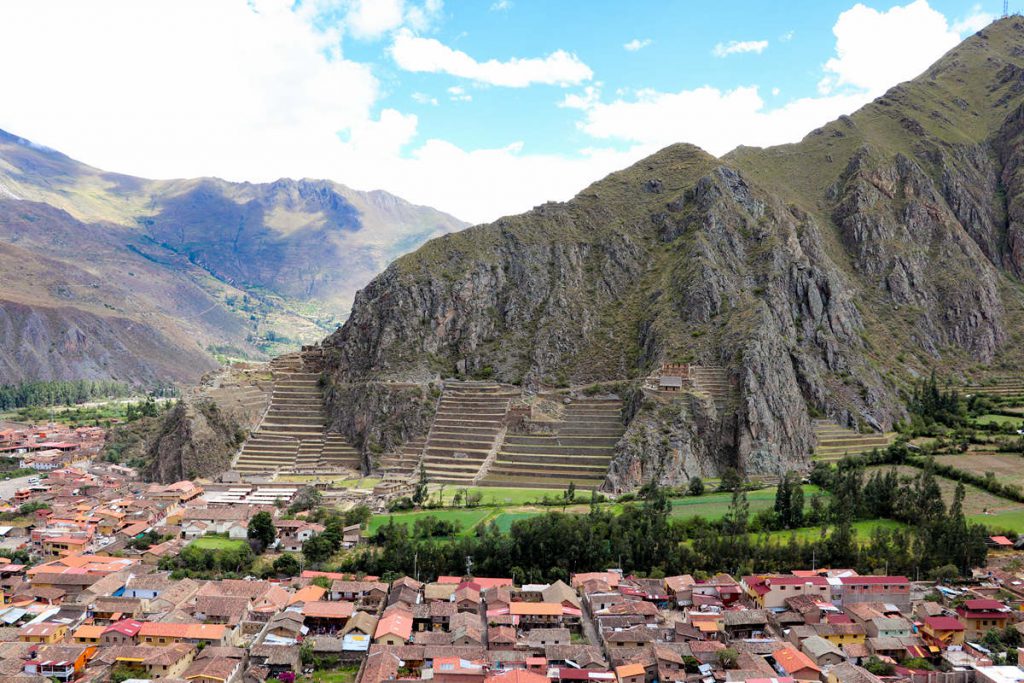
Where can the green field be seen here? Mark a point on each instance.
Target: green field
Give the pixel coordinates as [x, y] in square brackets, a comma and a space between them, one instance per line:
[505, 496]
[1001, 420]
[505, 519]
[863, 528]
[714, 505]
[467, 518]
[1000, 521]
[218, 543]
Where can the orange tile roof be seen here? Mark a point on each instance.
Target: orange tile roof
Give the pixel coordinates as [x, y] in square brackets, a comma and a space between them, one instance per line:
[629, 670]
[320, 609]
[397, 623]
[89, 631]
[535, 608]
[793, 660]
[310, 593]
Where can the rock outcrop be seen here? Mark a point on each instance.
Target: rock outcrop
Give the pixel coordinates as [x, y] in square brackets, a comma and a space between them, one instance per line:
[824, 277]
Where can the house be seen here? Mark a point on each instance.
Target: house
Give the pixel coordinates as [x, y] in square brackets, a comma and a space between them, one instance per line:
[160, 634]
[292, 533]
[630, 673]
[394, 628]
[322, 616]
[212, 669]
[543, 615]
[771, 592]
[745, 624]
[942, 632]
[88, 634]
[156, 662]
[366, 592]
[43, 632]
[62, 662]
[893, 590]
[501, 638]
[123, 632]
[848, 673]
[433, 616]
[361, 622]
[795, 664]
[982, 614]
[822, 652]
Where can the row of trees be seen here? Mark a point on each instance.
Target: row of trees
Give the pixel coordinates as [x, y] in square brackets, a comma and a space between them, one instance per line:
[644, 539]
[57, 393]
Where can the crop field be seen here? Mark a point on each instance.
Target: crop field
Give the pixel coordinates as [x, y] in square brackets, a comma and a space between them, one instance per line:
[977, 503]
[498, 496]
[1007, 467]
[714, 505]
[863, 529]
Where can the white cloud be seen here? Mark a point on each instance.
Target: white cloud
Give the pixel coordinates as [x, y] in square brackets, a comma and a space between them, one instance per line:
[424, 98]
[457, 93]
[973, 22]
[636, 44]
[876, 50]
[501, 6]
[428, 55]
[735, 47]
[775, 92]
[373, 18]
[713, 119]
[787, 36]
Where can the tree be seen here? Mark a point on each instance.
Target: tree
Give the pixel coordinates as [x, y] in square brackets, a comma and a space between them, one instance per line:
[731, 480]
[728, 658]
[287, 565]
[696, 487]
[737, 517]
[308, 498]
[261, 528]
[420, 494]
[570, 493]
[317, 548]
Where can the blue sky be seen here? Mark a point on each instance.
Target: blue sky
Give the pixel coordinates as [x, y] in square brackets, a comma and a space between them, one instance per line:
[479, 108]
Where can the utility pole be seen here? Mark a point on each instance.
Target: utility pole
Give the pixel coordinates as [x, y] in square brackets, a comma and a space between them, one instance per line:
[1006, 8]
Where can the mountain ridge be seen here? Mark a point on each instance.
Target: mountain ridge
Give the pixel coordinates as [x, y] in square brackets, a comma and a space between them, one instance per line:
[824, 277]
[202, 267]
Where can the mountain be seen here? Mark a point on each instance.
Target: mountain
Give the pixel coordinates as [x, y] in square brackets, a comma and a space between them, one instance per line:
[112, 276]
[820, 278]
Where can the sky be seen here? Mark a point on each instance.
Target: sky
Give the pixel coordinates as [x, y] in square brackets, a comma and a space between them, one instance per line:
[480, 108]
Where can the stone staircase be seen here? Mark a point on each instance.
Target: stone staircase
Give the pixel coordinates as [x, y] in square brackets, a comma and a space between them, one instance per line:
[835, 442]
[578, 451]
[468, 426]
[291, 437]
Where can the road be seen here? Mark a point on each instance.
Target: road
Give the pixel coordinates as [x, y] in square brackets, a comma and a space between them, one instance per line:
[8, 487]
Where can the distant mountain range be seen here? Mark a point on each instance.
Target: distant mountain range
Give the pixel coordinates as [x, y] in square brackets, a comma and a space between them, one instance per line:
[145, 281]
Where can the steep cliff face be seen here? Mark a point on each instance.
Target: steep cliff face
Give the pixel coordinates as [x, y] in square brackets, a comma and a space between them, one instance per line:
[823, 276]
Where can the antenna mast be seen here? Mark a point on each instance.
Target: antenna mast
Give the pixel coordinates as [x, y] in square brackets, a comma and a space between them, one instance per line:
[1006, 8]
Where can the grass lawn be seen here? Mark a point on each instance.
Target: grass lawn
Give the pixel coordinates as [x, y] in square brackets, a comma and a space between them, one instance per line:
[218, 543]
[1001, 420]
[504, 496]
[863, 528]
[999, 521]
[505, 519]
[713, 506]
[468, 518]
[346, 675]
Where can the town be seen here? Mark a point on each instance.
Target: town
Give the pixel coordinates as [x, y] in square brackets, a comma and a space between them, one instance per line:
[108, 578]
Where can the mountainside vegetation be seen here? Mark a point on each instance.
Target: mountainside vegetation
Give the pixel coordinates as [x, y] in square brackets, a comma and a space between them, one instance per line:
[826, 277]
[111, 277]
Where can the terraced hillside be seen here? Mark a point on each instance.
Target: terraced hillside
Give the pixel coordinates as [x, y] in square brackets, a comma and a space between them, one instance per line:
[467, 429]
[713, 381]
[291, 436]
[835, 441]
[403, 464]
[999, 386]
[578, 451]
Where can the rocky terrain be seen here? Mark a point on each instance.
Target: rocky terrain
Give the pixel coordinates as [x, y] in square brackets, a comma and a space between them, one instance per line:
[110, 276]
[825, 276]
